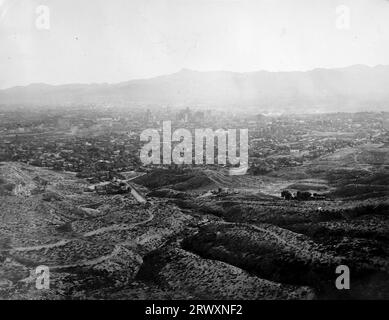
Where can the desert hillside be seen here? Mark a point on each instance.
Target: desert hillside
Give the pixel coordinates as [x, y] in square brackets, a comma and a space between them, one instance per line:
[242, 244]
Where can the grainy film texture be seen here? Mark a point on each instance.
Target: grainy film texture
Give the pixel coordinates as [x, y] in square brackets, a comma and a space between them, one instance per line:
[198, 149]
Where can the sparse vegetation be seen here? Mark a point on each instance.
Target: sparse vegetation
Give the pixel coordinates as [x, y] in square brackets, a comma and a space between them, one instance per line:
[315, 196]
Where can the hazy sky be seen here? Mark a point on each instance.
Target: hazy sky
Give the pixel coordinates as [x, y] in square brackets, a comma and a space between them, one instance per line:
[118, 40]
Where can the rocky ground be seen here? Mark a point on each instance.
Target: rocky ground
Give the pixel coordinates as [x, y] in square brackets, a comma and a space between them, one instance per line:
[182, 245]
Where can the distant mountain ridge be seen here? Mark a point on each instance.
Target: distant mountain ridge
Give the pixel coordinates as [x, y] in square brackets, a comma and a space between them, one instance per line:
[354, 88]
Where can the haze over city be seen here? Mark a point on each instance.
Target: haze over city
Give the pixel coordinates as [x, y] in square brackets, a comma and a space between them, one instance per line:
[226, 150]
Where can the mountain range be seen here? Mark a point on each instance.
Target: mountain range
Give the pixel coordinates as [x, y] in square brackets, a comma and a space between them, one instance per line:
[349, 89]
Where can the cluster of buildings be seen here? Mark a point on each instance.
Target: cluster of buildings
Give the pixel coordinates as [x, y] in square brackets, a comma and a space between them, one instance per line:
[277, 142]
[97, 142]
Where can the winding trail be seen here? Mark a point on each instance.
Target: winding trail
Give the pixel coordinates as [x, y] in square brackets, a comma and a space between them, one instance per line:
[85, 235]
[121, 227]
[40, 247]
[271, 233]
[84, 263]
[309, 252]
[137, 195]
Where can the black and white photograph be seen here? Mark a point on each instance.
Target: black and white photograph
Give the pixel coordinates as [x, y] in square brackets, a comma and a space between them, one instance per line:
[194, 150]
